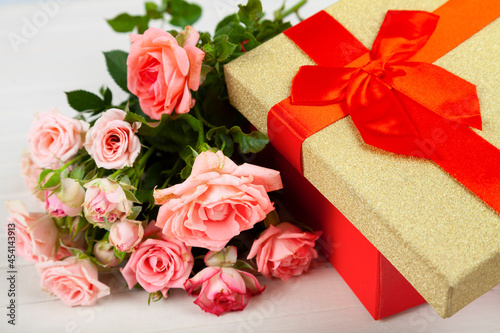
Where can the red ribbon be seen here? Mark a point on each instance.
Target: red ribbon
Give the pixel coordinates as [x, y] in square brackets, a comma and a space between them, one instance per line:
[369, 90]
[399, 105]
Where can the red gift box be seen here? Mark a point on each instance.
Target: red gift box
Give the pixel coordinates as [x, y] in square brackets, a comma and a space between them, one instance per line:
[377, 284]
[412, 211]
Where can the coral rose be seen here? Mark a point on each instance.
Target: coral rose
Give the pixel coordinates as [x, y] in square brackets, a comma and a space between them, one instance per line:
[158, 265]
[284, 251]
[55, 138]
[220, 288]
[105, 202]
[36, 233]
[112, 142]
[216, 202]
[161, 70]
[73, 280]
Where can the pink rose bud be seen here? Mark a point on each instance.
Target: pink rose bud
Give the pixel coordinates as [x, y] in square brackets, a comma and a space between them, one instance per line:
[112, 142]
[105, 202]
[104, 252]
[67, 200]
[161, 71]
[36, 233]
[284, 251]
[73, 280]
[125, 235]
[158, 265]
[55, 138]
[222, 289]
[31, 175]
[216, 202]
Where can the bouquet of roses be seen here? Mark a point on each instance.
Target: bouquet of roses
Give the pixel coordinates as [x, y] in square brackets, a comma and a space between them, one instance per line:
[148, 186]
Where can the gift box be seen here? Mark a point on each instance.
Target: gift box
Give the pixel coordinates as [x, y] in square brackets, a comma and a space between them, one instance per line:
[386, 137]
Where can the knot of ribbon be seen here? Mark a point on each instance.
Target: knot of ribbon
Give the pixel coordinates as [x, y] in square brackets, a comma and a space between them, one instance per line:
[379, 89]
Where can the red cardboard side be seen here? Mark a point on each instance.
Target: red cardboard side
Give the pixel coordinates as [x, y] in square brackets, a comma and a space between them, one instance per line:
[377, 284]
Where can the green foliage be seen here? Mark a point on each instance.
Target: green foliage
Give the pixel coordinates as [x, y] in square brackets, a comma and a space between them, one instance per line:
[116, 62]
[181, 13]
[226, 138]
[85, 101]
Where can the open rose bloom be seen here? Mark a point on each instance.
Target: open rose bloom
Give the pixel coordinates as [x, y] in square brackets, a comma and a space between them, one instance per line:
[112, 142]
[158, 265]
[284, 251]
[220, 288]
[55, 138]
[36, 233]
[216, 202]
[161, 70]
[73, 280]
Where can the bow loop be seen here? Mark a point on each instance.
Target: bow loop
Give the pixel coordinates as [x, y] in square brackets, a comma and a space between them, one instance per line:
[319, 85]
[402, 35]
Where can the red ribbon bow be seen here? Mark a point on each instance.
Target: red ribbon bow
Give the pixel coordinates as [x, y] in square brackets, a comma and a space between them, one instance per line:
[399, 105]
[379, 94]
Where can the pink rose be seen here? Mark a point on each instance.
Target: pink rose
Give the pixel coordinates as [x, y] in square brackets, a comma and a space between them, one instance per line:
[36, 233]
[105, 202]
[221, 288]
[284, 251]
[55, 138]
[112, 142]
[158, 265]
[125, 235]
[216, 202]
[67, 200]
[161, 70]
[31, 175]
[73, 280]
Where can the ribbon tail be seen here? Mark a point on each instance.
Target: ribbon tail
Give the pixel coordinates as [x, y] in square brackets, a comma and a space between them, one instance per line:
[458, 150]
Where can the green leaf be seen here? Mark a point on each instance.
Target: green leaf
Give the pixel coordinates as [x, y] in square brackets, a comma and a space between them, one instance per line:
[130, 196]
[240, 264]
[183, 13]
[142, 24]
[78, 173]
[222, 140]
[251, 13]
[106, 95]
[116, 61]
[249, 143]
[181, 131]
[123, 22]
[210, 53]
[223, 47]
[82, 100]
[152, 11]
[227, 20]
[136, 210]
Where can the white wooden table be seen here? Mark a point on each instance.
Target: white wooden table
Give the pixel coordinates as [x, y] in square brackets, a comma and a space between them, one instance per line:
[59, 49]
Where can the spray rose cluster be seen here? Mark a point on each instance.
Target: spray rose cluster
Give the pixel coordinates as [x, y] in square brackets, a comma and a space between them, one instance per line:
[148, 188]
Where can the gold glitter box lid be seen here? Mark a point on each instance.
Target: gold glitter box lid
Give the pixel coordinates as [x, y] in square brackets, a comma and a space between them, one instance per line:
[442, 238]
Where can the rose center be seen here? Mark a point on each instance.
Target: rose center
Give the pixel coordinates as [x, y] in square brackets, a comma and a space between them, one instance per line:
[113, 143]
[149, 73]
[218, 212]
